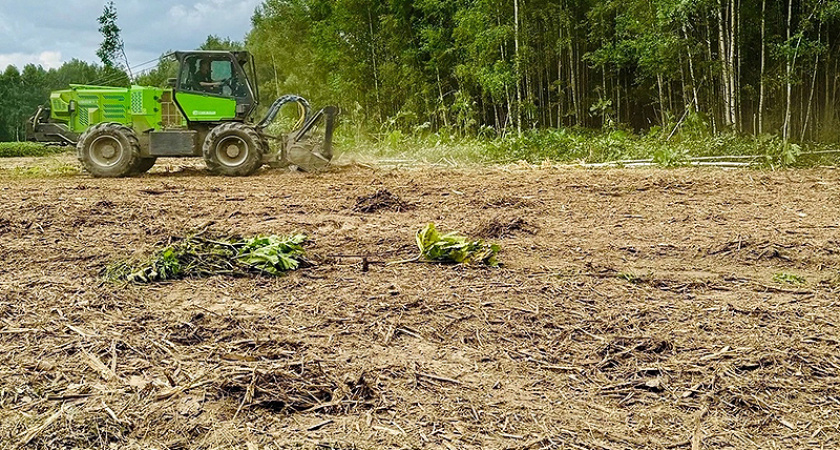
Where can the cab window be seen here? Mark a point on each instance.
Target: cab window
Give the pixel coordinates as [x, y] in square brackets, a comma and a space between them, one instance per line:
[210, 75]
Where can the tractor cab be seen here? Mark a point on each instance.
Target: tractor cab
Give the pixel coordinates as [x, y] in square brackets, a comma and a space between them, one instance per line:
[215, 86]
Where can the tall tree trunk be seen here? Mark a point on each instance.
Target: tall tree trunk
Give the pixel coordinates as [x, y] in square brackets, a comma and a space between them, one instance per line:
[604, 114]
[735, 61]
[711, 77]
[440, 96]
[788, 73]
[574, 80]
[617, 89]
[560, 92]
[375, 70]
[276, 77]
[809, 105]
[691, 71]
[662, 110]
[516, 67]
[726, 45]
[723, 57]
[828, 110]
[762, 80]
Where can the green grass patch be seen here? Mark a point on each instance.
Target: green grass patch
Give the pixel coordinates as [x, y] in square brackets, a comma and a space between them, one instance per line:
[788, 278]
[21, 149]
[49, 167]
[576, 145]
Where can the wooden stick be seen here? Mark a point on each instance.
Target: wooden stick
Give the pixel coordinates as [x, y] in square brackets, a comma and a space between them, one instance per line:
[320, 425]
[696, 442]
[438, 378]
[34, 432]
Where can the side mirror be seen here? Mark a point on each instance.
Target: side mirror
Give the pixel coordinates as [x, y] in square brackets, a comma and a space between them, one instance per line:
[172, 82]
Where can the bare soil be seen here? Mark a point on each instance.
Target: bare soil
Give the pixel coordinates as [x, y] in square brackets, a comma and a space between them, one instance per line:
[686, 308]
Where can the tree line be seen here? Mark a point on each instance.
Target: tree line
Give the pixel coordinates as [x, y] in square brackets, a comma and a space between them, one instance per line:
[496, 66]
[728, 65]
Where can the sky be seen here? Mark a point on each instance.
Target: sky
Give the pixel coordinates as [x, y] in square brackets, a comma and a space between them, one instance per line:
[51, 32]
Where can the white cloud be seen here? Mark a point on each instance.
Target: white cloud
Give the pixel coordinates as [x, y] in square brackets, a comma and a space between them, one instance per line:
[149, 28]
[208, 12]
[47, 60]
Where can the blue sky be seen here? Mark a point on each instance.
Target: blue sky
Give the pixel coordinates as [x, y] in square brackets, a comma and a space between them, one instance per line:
[50, 32]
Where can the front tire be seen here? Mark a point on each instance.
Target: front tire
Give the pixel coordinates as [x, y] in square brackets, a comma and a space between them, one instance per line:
[109, 150]
[233, 149]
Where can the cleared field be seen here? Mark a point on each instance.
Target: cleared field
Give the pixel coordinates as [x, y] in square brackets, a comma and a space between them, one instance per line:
[681, 308]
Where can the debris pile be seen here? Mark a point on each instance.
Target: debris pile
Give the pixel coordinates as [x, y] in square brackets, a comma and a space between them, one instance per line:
[499, 227]
[198, 256]
[381, 200]
[298, 387]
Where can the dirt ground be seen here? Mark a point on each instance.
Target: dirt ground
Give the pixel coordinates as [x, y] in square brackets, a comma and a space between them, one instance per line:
[646, 308]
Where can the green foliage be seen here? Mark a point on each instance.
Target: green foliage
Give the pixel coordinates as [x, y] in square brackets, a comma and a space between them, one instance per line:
[629, 277]
[165, 267]
[214, 42]
[789, 153]
[452, 248]
[573, 145]
[272, 254]
[457, 75]
[788, 278]
[20, 149]
[461, 67]
[112, 46]
[669, 156]
[159, 75]
[201, 257]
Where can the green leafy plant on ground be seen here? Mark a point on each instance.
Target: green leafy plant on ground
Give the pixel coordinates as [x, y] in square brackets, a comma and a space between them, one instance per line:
[629, 276]
[453, 248]
[788, 278]
[197, 256]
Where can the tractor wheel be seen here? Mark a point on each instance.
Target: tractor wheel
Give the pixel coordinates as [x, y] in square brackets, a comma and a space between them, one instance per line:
[233, 149]
[143, 165]
[109, 150]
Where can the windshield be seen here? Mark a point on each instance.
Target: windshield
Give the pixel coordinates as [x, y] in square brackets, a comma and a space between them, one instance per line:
[214, 75]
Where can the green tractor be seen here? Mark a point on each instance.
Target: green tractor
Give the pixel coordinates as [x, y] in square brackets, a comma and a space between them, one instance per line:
[206, 111]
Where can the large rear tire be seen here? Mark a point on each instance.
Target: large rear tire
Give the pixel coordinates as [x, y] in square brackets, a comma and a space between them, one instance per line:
[109, 150]
[233, 149]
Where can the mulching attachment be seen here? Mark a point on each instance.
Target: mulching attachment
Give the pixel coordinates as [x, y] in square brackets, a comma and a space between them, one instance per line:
[300, 387]
[382, 199]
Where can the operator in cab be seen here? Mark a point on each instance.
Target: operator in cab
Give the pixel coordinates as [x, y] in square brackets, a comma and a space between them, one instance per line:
[203, 80]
